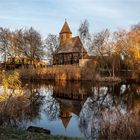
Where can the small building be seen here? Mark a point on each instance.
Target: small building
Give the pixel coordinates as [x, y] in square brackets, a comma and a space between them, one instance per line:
[70, 50]
[18, 62]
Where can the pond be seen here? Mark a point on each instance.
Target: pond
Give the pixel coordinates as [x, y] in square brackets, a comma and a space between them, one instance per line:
[77, 109]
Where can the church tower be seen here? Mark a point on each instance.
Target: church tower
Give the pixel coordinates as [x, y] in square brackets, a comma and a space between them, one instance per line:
[65, 34]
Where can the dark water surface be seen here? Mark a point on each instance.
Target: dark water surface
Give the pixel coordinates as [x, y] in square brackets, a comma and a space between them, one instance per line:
[78, 109]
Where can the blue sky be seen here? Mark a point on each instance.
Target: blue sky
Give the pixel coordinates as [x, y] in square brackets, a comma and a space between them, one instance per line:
[48, 16]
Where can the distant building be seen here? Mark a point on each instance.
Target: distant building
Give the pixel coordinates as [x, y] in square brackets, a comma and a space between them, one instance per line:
[17, 62]
[70, 49]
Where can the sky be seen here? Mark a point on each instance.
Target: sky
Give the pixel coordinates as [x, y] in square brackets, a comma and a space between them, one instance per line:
[48, 16]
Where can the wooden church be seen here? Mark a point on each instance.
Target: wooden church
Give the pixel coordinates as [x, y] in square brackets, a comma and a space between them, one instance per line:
[70, 49]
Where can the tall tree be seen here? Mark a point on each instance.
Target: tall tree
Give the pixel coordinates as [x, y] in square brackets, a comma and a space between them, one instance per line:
[101, 49]
[16, 43]
[5, 35]
[33, 48]
[104, 48]
[84, 34]
[134, 35]
[51, 45]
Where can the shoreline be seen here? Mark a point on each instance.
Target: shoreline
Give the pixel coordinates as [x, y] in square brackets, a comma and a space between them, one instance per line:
[67, 73]
[18, 134]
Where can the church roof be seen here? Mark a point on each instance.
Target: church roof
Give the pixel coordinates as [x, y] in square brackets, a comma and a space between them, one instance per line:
[65, 28]
[73, 46]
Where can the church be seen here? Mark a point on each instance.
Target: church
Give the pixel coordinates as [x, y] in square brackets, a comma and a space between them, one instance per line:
[70, 49]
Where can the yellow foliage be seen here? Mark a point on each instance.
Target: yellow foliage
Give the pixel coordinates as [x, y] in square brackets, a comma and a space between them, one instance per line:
[134, 36]
[134, 52]
[11, 86]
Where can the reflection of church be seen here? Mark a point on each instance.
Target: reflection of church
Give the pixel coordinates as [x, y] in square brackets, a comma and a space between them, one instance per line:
[71, 98]
[72, 91]
[104, 101]
[65, 115]
[67, 108]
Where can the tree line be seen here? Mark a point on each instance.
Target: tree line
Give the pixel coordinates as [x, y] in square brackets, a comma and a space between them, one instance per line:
[20, 43]
[112, 49]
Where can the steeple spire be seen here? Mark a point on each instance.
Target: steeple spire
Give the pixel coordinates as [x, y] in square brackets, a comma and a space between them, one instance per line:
[65, 121]
[65, 28]
[65, 34]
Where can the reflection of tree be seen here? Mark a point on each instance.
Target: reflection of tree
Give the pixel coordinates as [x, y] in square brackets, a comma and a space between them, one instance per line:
[51, 106]
[93, 109]
[105, 110]
[104, 105]
[18, 111]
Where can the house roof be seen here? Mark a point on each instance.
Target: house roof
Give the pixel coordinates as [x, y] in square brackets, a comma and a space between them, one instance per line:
[72, 46]
[65, 28]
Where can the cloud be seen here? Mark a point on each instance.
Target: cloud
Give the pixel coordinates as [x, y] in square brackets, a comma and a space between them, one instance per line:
[49, 15]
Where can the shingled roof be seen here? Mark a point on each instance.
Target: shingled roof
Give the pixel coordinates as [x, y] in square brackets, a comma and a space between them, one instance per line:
[73, 46]
[65, 28]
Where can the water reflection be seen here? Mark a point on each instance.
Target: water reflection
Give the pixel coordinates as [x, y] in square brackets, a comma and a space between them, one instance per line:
[83, 109]
[108, 112]
[18, 111]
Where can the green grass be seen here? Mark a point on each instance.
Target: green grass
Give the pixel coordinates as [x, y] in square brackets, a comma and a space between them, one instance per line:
[19, 134]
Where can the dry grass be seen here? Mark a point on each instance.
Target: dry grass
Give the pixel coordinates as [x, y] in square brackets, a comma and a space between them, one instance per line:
[52, 73]
[126, 128]
[65, 72]
[13, 101]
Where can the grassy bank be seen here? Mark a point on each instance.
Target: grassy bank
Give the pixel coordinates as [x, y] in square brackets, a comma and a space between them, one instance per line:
[18, 134]
[65, 72]
[52, 73]
[72, 73]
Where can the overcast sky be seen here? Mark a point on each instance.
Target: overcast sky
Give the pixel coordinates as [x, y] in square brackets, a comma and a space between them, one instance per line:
[48, 16]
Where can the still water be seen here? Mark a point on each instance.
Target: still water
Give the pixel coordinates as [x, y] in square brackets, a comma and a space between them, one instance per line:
[77, 109]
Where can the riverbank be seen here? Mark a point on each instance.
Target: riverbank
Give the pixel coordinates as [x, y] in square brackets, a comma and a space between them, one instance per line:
[19, 134]
[66, 73]
[72, 73]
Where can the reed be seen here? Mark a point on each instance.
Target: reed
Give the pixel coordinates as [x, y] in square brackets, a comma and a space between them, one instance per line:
[52, 73]
[126, 128]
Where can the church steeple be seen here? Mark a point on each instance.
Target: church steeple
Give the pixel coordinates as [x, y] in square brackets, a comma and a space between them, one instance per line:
[65, 28]
[65, 121]
[65, 33]
[65, 115]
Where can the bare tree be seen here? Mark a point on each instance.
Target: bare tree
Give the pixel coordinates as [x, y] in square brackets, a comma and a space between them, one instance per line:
[125, 48]
[100, 47]
[17, 43]
[51, 45]
[32, 48]
[105, 47]
[22, 43]
[84, 34]
[4, 43]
